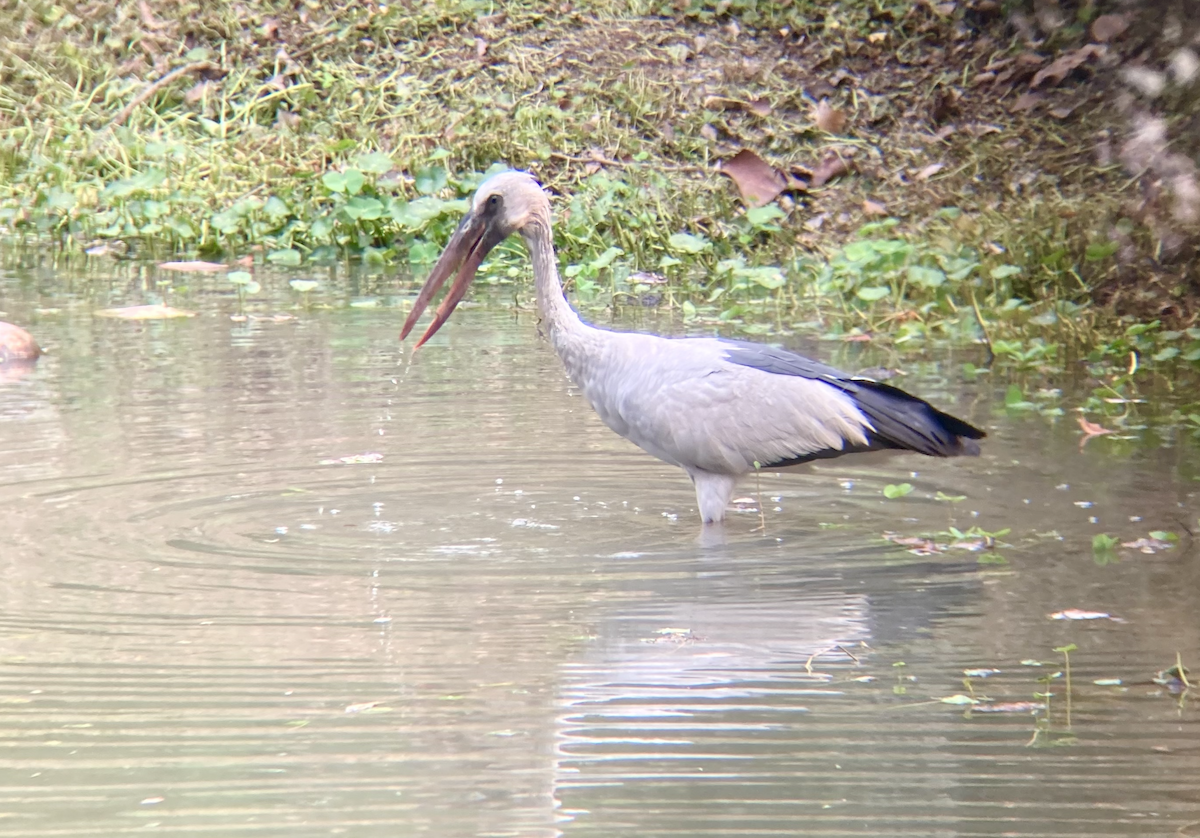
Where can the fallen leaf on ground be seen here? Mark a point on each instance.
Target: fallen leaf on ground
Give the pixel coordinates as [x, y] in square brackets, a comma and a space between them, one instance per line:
[980, 129]
[757, 180]
[1080, 614]
[828, 118]
[832, 166]
[1027, 101]
[198, 91]
[1066, 64]
[929, 171]
[1107, 27]
[758, 107]
[870, 207]
[153, 312]
[194, 267]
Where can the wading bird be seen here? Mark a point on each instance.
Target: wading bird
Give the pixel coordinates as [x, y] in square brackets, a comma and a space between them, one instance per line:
[716, 408]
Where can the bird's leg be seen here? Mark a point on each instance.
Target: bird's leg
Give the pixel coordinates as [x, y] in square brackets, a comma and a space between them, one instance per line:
[713, 492]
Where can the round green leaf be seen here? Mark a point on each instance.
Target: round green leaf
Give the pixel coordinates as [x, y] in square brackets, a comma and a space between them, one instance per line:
[872, 293]
[375, 163]
[688, 243]
[334, 181]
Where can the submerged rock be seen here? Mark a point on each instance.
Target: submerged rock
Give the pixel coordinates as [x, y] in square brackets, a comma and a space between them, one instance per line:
[16, 344]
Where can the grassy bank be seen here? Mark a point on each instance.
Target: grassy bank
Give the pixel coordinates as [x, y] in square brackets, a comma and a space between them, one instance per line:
[918, 203]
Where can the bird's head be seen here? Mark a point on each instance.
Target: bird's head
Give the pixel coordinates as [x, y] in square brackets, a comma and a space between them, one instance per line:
[504, 204]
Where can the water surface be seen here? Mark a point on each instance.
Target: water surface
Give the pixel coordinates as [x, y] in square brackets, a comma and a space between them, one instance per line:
[497, 619]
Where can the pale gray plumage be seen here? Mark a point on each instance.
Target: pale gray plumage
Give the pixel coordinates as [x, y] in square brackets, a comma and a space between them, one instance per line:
[712, 407]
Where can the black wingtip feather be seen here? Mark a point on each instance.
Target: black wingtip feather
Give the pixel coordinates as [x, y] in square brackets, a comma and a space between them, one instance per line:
[904, 421]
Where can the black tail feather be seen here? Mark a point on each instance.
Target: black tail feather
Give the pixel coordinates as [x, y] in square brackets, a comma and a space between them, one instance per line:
[904, 421]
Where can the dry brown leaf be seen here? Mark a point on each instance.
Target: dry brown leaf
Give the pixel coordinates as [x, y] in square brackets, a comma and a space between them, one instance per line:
[1062, 112]
[757, 180]
[1090, 431]
[1027, 101]
[708, 132]
[916, 544]
[193, 267]
[828, 118]
[832, 166]
[929, 171]
[1107, 27]
[198, 91]
[148, 18]
[1148, 545]
[871, 208]
[795, 184]
[1066, 64]
[151, 312]
[979, 129]
[758, 107]
[16, 344]
[877, 37]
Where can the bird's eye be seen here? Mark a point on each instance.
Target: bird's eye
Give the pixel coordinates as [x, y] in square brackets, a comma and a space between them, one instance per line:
[494, 200]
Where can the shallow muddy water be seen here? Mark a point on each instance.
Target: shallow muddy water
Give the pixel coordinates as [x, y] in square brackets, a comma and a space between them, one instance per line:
[496, 618]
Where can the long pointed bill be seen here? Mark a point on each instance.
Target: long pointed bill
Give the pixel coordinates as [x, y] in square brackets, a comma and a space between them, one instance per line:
[468, 247]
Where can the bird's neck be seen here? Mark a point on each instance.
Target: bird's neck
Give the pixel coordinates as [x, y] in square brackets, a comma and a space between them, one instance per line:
[563, 322]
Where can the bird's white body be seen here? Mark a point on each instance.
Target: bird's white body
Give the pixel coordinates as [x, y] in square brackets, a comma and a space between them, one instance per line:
[715, 408]
[643, 386]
